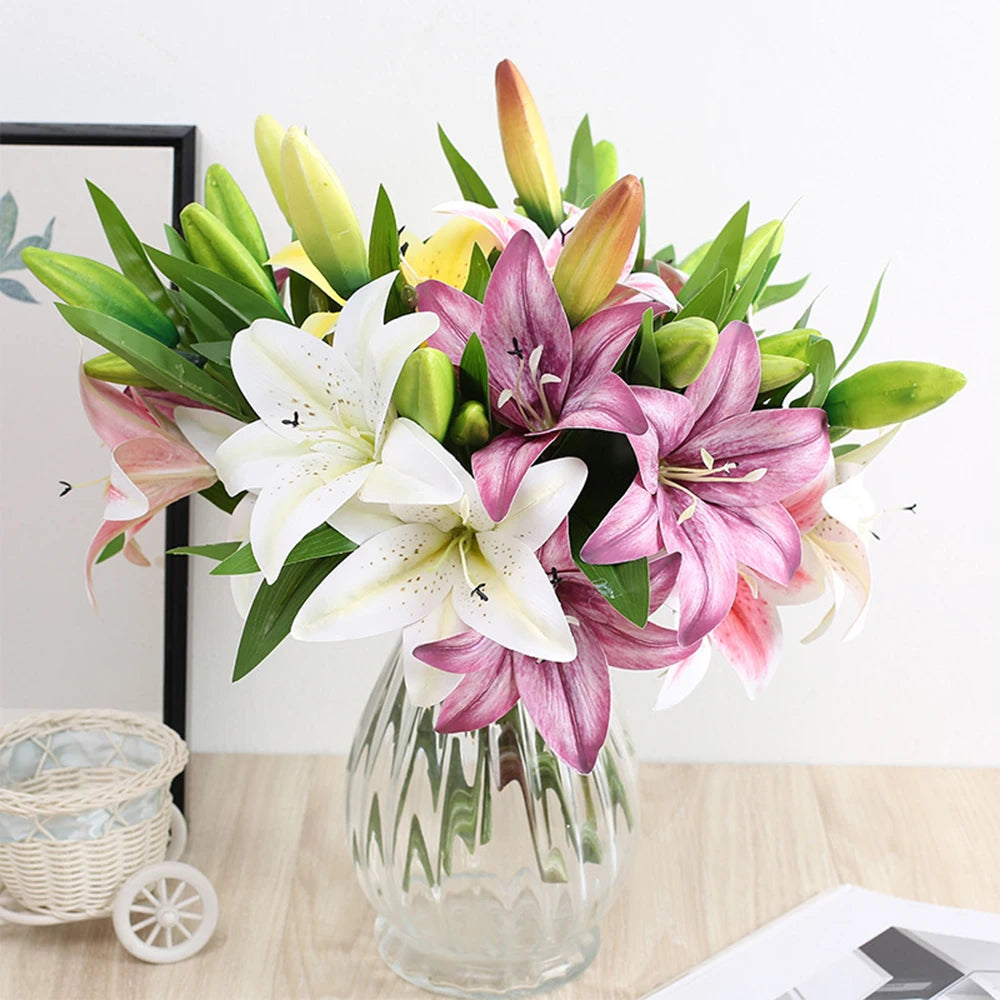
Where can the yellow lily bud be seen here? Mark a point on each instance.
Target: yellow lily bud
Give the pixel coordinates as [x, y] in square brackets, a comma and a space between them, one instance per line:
[425, 391]
[777, 370]
[526, 149]
[685, 347]
[471, 426]
[321, 214]
[267, 137]
[598, 249]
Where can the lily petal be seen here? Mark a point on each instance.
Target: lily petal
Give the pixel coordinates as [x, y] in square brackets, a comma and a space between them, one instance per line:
[606, 406]
[254, 456]
[411, 466]
[683, 677]
[206, 429]
[547, 492]
[460, 316]
[426, 685]
[486, 691]
[114, 415]
[764, 538]
[670, 417]
[750, 638]
[630, 530]
[294, 258]
[360, 521]
[729, 383]
[501, 466]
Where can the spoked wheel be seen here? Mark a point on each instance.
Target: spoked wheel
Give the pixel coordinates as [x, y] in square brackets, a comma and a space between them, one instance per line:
[165, 912]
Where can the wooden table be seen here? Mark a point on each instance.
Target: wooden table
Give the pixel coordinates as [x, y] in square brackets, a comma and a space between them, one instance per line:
[725, 848]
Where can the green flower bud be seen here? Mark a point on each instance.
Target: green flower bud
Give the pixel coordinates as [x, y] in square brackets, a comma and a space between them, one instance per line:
[225, 200]
[890, 392]
[471, 426]
[755, 244]
[425, 391]
[685, 347]
[791, 344]
[111, 368]
[777, 370]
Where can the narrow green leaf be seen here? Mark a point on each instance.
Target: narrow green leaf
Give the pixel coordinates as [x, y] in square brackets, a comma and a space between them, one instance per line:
[710, 301]
[274, 609]
[383, 246]
[869, 319]
[844, 449]
[803, 320]
[213, 550]
[640, 253]
[205, 325]
[112, 548]
[176, 244]
[747, 291]
[836, 433]
[722, 255]
[216, 351]
[822, 362]
[469, 182]
[131, 257]
[605, 165]
[474, 375]
[667, 254]
[582, 183]
[646, 364]
[773, 294]
[300, 292]
[234, 304]
[217, 496]
[479, 274]
[322, 541]
[151, 358]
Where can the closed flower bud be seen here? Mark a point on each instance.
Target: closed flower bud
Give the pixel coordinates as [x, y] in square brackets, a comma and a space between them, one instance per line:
[471, 426]
[685, 347]
[526, 149]
[321, 215]
[425, 391]
[268, 136]
[225, 200]
[777, 370]
[890, 392]
[791, 344]
[756, 243]
[598, 249]
[111, 368]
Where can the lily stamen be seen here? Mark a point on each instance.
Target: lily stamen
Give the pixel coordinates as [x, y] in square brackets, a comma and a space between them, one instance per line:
[528, 413]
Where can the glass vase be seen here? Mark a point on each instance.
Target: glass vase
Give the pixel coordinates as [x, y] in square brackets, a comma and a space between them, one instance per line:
[488, 860]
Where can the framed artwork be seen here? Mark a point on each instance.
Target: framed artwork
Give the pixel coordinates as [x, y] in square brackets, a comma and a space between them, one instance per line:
[54, 651]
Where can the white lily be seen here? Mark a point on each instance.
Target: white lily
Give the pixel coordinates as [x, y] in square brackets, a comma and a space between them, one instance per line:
[327, 431]
[454, 552]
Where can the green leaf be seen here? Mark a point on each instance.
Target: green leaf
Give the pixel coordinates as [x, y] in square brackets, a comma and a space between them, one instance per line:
[869, 319]
[234, 304]
[214, 550]
[176, 244]
[469, 182]
[710, 301]
[747, 291]
[474, 374]
[836, 433]
[722, 255]
[383, 247]
[646, 365]
[216, 351]
[844, 449]
[605, 166]
[479, 274]
[274, 609]
[322, 541]
[151, 358]
[822, 362]
[773, 294]
[582, 184]
[300, 291]
[112, 548]
[803, 320]
[131, 257]
[667, 254]
[217, 496]
[625, 586]
[205, 325]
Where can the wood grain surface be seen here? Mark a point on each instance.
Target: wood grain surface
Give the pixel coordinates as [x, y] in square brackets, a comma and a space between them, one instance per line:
[724, 849]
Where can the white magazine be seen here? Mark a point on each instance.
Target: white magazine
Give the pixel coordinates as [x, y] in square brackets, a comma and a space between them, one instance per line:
[852, 944]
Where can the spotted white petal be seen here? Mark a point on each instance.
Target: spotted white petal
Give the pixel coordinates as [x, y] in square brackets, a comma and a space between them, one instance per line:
[543, 500]
[205, 429]
[307, 492]
[413, 465]
[254, 456]
[361, 521]
[392, 580]
[851, 504]
[509, 598]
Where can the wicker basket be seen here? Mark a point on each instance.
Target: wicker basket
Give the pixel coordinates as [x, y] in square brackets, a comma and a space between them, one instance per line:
[84, 802]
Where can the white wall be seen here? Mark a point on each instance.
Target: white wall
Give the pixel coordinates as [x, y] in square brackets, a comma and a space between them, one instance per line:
[877, 118]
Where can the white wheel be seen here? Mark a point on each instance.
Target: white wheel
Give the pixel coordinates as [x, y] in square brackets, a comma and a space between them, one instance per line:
[165, 912]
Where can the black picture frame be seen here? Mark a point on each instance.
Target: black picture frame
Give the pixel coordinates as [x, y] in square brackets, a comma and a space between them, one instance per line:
[180, 139]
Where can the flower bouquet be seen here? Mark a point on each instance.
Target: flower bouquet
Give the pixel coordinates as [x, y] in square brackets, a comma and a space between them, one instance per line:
[512, 442]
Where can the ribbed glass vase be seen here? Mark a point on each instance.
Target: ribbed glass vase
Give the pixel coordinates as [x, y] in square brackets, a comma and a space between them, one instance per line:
[489, 862]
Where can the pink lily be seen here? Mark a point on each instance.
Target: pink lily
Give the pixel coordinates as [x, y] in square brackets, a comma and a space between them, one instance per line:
[712, 473]
[570, 703]
[543, 377]
[152, 465]
[631, 287]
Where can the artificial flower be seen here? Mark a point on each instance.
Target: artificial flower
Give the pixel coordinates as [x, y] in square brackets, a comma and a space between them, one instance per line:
[543, 377]
[569, 702]
[455, 552]
[712, 473]
[445, 254]
[326, 431]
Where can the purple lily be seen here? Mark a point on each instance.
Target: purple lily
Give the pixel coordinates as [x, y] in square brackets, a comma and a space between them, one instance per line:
[711, 474]
[544, 378]
[570, 703]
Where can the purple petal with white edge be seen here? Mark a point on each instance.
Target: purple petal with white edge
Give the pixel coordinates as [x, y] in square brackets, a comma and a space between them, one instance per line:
[651, 286]
[481, 697]
[630, 530]
[114, 415]
[556, 552]
[543, 500]
[670, 417]
[750, 638]
[606, 406]
[501, 466]
[522, 312]
[508, 597]
[466, 652]
[460, 316]
[764, 538]
[426, 685]
[791, 445]
[728, 386]
[706, 580]
[392, 580]
[663, 572]
[570, 703]
[682, 678]
[600, 340]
